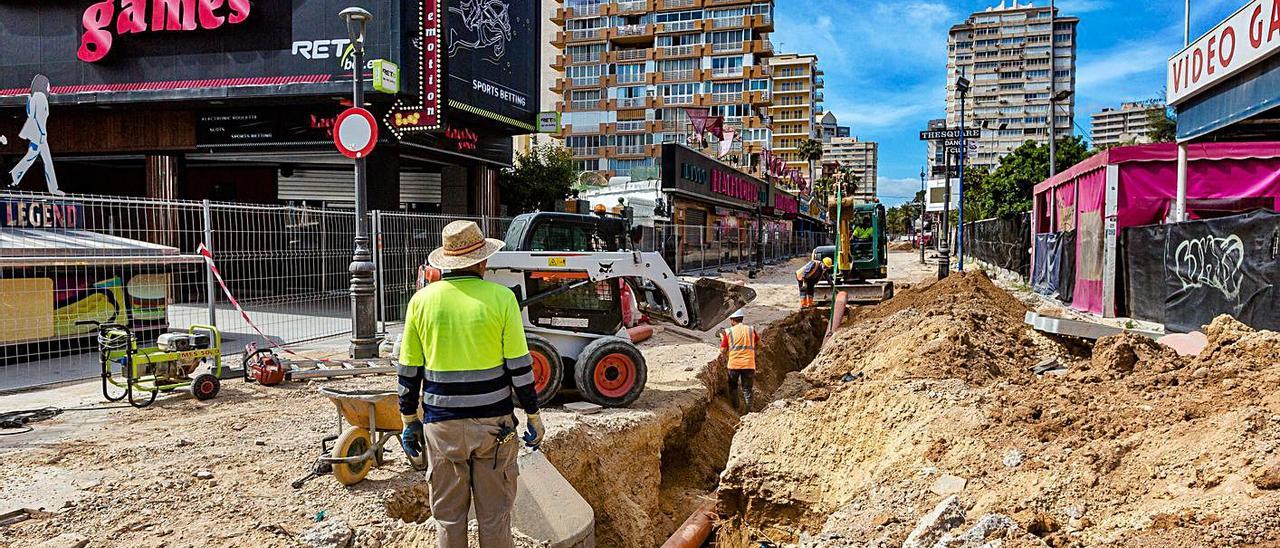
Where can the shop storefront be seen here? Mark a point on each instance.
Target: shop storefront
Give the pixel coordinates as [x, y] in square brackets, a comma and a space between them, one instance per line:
[713, 204]
[235, 100]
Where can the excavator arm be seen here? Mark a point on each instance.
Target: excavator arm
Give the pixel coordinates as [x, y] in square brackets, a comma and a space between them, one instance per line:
[701, 304]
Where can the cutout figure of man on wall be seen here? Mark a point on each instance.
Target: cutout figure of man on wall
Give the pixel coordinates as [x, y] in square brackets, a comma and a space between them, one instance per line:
[36, 132]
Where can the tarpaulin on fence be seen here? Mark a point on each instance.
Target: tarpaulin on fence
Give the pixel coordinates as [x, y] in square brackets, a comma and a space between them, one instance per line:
[1005, 243]
[1193, 271]
[1055, 268]
[1143, 252]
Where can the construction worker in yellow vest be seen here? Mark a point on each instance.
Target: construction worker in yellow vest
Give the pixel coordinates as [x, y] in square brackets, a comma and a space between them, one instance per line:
[738, 345]
[808, 276]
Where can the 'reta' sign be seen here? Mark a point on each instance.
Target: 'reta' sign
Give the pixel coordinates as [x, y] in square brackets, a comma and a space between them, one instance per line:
[1243, 39]
[106, 20]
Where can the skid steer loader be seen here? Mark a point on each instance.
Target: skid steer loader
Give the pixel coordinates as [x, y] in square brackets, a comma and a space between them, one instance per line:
[573, 298]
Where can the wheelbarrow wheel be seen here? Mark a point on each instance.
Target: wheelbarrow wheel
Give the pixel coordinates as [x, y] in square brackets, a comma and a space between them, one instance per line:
[353, 442]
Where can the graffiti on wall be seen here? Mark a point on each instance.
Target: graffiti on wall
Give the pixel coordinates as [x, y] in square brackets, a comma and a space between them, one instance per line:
[1211, 262]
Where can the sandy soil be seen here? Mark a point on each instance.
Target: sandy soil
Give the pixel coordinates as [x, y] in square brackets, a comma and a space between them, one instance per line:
[126, 477]
[921, 424]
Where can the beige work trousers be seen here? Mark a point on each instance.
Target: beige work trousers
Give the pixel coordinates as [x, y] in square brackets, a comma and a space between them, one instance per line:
[467, 462]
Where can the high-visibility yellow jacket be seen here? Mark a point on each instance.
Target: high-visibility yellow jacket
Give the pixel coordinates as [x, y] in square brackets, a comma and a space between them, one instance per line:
[740, 341]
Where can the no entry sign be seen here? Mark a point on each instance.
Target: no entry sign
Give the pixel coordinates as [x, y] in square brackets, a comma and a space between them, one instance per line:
[355, 132]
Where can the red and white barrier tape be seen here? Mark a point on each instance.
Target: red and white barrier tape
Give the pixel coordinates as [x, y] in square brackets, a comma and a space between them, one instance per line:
[208, 260]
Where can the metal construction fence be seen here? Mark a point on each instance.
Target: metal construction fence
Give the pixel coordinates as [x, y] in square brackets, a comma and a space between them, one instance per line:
[137, 262]
[1003, 243]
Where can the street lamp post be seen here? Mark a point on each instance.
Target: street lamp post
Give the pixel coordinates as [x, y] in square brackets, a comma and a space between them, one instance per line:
[962, 86]
[364, 341]
[920, 231]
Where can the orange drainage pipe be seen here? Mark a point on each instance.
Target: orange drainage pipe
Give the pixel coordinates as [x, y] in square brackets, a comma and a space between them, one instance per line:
[695, 530]
[640, 333]
[838, 307]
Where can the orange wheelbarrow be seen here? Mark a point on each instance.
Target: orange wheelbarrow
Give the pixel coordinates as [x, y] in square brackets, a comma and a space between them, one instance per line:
[367, 419]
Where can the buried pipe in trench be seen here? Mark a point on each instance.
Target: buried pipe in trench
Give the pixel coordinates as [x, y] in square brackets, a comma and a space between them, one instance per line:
[696, 529]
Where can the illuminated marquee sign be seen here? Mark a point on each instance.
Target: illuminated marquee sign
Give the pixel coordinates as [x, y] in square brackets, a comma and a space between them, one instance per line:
[424, 115]
[1244, 39]
[103, 21]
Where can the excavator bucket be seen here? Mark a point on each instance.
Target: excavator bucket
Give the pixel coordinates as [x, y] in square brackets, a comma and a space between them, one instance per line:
[711, 301]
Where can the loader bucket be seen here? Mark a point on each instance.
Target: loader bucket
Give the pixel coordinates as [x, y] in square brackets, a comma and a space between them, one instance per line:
[714, 300]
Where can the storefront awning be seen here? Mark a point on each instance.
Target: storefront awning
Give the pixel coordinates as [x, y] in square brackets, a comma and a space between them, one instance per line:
[42, 247]
[1240, 98]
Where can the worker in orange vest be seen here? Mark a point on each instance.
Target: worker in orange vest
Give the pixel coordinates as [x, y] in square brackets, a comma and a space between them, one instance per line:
[808, 276]
[738, 345]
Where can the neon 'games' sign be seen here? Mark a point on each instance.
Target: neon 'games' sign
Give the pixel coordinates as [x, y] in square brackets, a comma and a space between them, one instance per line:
[106, 20]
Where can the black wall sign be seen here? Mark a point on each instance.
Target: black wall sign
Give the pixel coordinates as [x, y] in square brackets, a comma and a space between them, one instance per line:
[253, 47]
[493, 59]
[685, 170]
[281, 126]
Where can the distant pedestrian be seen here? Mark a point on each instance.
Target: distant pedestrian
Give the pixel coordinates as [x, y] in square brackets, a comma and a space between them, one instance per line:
[808, 276]
[738, 345]
[464, 350]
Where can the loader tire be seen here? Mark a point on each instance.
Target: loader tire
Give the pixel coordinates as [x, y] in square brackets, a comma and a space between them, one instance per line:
[610, 372]
[548, 369]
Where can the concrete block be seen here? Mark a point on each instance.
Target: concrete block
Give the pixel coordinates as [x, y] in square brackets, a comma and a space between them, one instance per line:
[548, 508]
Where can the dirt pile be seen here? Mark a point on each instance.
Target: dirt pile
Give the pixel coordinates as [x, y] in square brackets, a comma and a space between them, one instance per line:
[931, 395]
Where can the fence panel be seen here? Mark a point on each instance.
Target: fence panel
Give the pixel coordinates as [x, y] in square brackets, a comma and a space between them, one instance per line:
[135, 261]
[1005, 243]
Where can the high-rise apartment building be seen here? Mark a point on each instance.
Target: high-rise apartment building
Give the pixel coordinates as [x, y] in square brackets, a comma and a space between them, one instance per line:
[547, 77]
[860, 156]
[1128, 124]
[1005, 53]
[631, 68]
[797, 100]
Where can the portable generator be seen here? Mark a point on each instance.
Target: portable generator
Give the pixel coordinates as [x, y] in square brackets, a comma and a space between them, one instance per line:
[166, 367]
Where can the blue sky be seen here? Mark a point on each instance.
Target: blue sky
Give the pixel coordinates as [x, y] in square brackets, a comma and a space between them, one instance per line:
[885, 62]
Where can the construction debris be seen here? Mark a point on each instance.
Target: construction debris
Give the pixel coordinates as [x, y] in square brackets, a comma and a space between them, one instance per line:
[1161, 449]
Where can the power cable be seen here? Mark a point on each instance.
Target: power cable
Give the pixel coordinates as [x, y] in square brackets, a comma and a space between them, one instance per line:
[21, 419]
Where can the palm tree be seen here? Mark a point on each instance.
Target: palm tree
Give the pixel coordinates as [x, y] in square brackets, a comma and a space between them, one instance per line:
[811, 151]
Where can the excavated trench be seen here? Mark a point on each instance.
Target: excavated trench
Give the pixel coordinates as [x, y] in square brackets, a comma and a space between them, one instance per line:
[645, 476]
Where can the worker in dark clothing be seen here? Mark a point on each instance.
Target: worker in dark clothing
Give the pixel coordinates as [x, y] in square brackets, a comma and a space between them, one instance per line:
[464, 351]
[738, 345]
[808, 276]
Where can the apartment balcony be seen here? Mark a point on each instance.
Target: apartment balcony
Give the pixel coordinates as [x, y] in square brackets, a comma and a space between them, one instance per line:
[634, 6]
[759, 97]
[564, 13]
[668, 126]
[585, 152]
[817, 97]
[728, 98]
[725, 72]
[577, 36]
[727, 2]
[677, 52]
[631, 150]
[669, 76]
[759, 71]
[664, 5]
[631, 126]
[784, 90]
[632, 34]
[819, 82]
[679, 26]
[728, 47]
[622, 55]
[586, 105]
[761, 47]
[730, 22]
[630, 79]
[676, 101]
[634, 102]
[563, 60]
[761, 21]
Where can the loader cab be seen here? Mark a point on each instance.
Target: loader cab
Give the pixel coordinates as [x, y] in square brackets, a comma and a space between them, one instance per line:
[863, 241]
[549, 231]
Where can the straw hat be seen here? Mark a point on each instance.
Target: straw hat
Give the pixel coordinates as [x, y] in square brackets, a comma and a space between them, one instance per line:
[464, 245]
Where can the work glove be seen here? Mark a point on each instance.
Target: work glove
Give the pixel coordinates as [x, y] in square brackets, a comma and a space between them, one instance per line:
[533, 431]
[411, 439]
